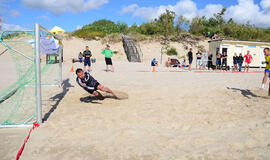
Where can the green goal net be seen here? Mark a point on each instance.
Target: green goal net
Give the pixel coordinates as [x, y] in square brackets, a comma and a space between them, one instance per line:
[18, 94]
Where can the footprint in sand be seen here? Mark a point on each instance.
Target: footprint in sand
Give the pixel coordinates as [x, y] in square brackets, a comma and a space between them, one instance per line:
[121, 95]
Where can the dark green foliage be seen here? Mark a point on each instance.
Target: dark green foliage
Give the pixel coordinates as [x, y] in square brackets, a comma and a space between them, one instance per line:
[105, 26]
[164, 27]
[149, 28]
[165, 23]
[134, 28]
[171, 51]
[122, 27]
[230, 29]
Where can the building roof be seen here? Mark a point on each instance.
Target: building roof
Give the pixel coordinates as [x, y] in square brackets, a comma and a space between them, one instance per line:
[57, 29]
[238, 41]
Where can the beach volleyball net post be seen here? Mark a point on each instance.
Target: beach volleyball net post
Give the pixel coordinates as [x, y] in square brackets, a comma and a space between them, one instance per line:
[35, 74]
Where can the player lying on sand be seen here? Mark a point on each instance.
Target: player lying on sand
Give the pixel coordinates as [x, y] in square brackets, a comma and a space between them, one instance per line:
[88, 83]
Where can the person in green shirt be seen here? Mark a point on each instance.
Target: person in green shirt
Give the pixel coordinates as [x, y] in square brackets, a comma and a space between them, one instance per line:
[108, 54]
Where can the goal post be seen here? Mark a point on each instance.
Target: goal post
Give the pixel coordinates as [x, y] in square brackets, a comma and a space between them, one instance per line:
[21, 103]
[37, 75]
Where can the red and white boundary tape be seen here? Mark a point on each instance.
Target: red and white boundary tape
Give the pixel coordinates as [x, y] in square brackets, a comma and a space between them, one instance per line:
[35, 125]
[160, 71]
[201, 71]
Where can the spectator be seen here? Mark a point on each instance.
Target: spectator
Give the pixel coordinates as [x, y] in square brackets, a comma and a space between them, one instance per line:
[218, 61]
[248, 59]
[184, 64]
[199, 59]
[210, 63]
[224, 60]
[108, 60]
[235, 61]
[87, 54]
[215, 36]
[190, 59]
[154, 62]
[168, 62]
[80, 57]
[240, 62]
[204, 60]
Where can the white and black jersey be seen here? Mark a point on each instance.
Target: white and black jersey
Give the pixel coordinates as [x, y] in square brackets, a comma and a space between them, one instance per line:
[91, 83]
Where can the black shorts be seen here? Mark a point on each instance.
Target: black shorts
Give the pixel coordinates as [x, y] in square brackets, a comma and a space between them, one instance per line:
[92, 90]
[108, 61]
[87, 62]
[190, 61]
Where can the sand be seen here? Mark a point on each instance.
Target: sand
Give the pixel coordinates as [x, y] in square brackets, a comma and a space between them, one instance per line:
[163, 115]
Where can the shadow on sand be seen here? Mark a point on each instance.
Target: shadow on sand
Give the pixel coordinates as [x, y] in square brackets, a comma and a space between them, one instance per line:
[93, 99]
[245, 92]
[58, 98]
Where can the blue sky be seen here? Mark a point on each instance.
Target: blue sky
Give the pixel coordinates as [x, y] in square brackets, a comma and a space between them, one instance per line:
[71, 14]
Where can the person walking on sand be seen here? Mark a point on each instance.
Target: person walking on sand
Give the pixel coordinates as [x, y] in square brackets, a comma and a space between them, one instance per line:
[87, 55]
[89, 84]
[240, 62]
[190, 59]
[267, 68]
[248, 59]
[108, 60]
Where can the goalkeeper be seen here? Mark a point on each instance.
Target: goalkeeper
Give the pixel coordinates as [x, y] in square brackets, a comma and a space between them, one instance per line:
[88, 83]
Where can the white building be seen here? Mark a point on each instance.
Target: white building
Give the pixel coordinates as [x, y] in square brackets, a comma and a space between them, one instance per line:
[232, 46]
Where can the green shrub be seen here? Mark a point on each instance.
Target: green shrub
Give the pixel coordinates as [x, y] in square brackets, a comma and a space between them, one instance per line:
[171, 51]
[88, 35]
[201, 48]
[173, 39]
[103, 25]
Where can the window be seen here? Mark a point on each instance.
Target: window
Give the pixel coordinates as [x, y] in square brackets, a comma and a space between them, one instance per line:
[251, 46]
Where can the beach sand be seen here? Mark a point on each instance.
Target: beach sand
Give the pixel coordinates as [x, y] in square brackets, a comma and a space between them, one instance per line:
[163, 115]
